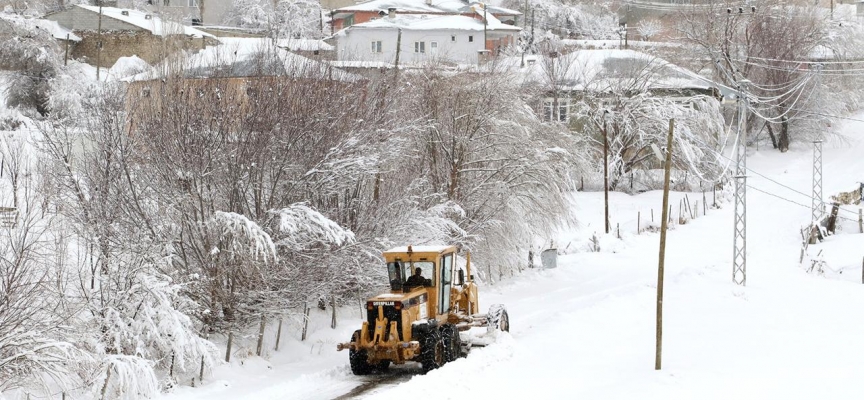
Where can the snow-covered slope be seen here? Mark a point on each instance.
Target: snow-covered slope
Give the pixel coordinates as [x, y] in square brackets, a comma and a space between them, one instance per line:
[586, 329]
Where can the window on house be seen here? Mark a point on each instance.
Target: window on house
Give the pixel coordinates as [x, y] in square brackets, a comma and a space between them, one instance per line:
[561, 113]
[145, 92]
[192, 3]
[452, 38]
[166, 2]
[376, 46]
[419, 47]
[470, 38]
[433, 47]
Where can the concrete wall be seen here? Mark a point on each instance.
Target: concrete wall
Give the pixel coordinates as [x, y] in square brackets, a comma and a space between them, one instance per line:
[356, 45]
[79, 19]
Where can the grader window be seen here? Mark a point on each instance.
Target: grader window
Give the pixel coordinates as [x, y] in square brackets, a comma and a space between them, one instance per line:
[400, 271]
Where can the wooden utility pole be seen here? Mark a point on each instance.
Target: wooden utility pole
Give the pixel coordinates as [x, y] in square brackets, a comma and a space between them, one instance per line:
[66, 53]
[99, 42]
[605, 172]
[484, 26]
[663, 225]
[398, 50]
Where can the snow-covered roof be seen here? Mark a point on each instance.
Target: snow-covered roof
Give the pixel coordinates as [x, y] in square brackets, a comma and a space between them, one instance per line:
[422, 6]
[426, 22]
[54, 29]
[419, 249]
[238, 57]
[147, 21]
[304, 45]
[361, 64]
[600, 70]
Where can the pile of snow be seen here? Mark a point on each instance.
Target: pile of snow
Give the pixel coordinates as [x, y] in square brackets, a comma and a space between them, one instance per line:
[128, 66]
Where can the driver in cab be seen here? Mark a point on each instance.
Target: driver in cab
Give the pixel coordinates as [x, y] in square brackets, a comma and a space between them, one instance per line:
[417, 279]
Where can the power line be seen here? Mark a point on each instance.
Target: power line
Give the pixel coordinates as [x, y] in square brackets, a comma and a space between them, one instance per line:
[794, 202]
[805, 61]
[763, 176]
[828, 115]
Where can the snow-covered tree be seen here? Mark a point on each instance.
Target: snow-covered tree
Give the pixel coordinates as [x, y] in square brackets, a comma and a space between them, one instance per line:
[631, 106]
[282, 18]
[32, 54]
[649, 28]
[778, 48]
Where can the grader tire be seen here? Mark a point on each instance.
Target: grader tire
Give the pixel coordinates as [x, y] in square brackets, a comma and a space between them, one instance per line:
[432, 352]
[382, 366]
[358, 359]
[498, 318]
[452, 342]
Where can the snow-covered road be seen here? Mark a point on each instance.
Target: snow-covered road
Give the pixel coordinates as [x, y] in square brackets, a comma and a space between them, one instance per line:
[586, 329]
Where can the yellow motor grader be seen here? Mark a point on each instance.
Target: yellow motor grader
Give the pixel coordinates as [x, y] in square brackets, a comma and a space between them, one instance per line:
[421, 316]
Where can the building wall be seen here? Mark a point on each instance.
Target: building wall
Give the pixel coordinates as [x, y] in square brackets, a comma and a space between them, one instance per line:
[356, 45]
[182, 11]
[79, 19]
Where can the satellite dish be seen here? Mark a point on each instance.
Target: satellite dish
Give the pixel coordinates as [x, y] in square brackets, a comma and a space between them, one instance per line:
[657, 152]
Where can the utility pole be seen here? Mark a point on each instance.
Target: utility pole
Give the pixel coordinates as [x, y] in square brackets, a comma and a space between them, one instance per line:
[99, 43]
[739, 252]
[396, 62]
[485, 23]
[816, 203]
[606, 170]
[626, 32]
[663, 225]
[532, 26]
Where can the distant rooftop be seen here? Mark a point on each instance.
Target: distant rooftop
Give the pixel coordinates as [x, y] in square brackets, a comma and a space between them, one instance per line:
[147, 21]
[424, 22]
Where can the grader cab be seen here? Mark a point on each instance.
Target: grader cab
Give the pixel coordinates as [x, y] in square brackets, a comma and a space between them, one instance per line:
[420, 319]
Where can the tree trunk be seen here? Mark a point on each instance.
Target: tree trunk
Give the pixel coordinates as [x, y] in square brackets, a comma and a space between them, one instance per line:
[783, 144]
[771, 135]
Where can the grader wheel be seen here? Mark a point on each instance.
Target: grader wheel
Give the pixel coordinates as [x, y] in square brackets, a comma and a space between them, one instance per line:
[452, 342]
[358, 359]
[432, 351]
[498, 318]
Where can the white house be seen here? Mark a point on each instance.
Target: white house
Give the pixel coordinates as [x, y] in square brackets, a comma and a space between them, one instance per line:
[453, 39]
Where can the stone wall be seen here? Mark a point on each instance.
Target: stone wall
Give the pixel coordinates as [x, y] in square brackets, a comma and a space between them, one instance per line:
[150, 48]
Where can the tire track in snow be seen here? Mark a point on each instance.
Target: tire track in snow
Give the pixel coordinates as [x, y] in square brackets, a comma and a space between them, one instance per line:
[373, 383]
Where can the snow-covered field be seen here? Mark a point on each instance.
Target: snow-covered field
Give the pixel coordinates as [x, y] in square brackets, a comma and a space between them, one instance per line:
[586, 329]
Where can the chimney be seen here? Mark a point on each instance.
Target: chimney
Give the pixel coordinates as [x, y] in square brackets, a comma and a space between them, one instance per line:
[429, 3]
[391, 12]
